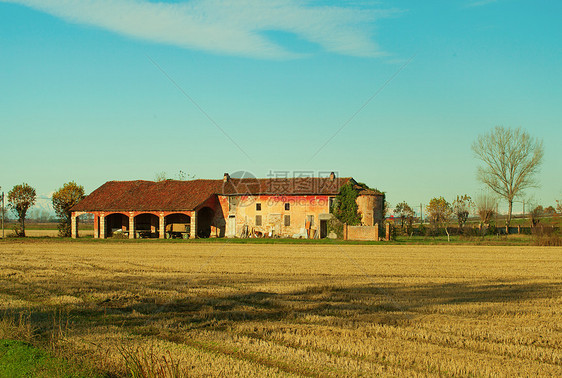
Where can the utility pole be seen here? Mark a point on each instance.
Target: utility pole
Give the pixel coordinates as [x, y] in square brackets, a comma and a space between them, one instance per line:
[421, 214]
[2, 215]
[523, 209]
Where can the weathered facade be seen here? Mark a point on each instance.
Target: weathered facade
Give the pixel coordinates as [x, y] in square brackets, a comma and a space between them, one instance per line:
[231, 207]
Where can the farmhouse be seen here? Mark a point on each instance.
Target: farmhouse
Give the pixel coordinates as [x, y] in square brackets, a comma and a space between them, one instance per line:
[231, 207]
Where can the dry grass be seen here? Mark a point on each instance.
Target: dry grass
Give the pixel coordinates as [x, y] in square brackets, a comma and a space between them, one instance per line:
[48, 233]
[268, 310]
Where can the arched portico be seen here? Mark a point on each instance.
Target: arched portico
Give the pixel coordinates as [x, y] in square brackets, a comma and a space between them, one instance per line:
[204, 221]
[178, 225]
[114, 223]
[146, 225]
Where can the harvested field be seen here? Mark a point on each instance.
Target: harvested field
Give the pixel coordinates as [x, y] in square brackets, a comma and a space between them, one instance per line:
[329, 310]
[49, 233]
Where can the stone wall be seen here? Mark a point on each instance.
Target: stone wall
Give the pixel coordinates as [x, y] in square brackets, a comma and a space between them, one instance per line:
[273, 213]
[361, 232]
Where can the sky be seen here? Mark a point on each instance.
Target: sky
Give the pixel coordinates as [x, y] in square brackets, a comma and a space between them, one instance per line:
[392, 93]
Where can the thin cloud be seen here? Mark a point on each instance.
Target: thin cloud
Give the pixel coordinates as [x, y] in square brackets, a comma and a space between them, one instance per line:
[227, 27]
[480, 3]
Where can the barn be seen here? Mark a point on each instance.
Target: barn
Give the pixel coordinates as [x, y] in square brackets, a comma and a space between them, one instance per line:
[227, 207]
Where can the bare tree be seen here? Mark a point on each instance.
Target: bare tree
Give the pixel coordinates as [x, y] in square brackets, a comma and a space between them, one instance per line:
[181, 176]
[439, 211]
[486, 208]
[511, 160]
[405, 213]
[160, 176]
[550, 210]
[461, 208]
[536, 214]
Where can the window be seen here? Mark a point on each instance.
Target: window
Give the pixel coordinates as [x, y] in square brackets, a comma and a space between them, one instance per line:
[258, 220]
[287, 220]
[258, 206]
[333, 203]
[232, 203]
[287, 206]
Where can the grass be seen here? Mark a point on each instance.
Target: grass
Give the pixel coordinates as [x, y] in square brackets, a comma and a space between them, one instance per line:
[20, 359]
[502, 240]
[165, 308]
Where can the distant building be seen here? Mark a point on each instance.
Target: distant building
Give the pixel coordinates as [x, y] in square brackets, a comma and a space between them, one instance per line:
[231, 207]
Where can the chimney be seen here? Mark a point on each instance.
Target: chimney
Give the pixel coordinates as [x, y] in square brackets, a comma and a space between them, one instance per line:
[226, 177]
[332, 176]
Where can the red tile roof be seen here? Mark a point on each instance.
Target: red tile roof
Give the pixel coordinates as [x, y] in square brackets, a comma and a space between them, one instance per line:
[174, 195]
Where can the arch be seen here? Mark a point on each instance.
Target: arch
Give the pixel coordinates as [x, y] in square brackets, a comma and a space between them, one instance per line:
[115, 222]
[178, 225]
[147, 225]
[204, 221]
[85, 224]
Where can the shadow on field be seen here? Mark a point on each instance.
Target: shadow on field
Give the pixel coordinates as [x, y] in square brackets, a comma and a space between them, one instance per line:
[330, 305]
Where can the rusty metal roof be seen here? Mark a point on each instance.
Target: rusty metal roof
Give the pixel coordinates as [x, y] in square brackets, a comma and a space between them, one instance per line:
[175, 195]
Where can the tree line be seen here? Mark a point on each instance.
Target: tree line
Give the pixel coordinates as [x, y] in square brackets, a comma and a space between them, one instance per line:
[510, 160]
[24, 196]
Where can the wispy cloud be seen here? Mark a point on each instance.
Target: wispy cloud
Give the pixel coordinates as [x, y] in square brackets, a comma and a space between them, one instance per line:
[480, 3]
[225, 26]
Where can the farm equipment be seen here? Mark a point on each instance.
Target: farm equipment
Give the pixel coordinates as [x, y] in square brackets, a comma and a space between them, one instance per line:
[178, 230]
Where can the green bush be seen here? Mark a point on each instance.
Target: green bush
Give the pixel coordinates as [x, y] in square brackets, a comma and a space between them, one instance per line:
[64, 229]
[492, 230]
[336, 227]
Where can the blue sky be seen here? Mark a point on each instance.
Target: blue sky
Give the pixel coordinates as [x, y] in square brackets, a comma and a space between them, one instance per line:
[99, 90]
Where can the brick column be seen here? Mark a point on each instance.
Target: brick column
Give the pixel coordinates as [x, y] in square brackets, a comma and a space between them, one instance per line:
[388, 232]
[376, 231]
[96, 226]
[131, 225]
[193, 226]
[345, 231]
[102, 226]
[162, 226]
[74, 225]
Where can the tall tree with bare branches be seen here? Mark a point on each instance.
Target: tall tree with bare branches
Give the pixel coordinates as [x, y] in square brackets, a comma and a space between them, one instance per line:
[461, 208]
[511, 159]
[485, 208]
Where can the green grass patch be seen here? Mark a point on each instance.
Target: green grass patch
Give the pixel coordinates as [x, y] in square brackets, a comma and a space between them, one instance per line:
[20, 359]
[501, 240]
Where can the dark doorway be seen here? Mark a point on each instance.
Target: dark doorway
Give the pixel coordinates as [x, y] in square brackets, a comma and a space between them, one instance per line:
[204, 222]
[323, 229]
[116, 224]
[147, 226]
[178, 226]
